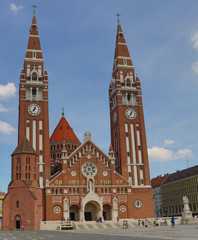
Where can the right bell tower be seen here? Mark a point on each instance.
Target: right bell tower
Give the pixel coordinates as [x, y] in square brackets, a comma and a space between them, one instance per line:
[128, 135]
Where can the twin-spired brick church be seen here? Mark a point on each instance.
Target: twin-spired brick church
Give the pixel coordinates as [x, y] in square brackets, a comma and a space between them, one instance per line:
[59, 177]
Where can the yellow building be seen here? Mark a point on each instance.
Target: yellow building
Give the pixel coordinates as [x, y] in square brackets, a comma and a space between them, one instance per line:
[2, 195]
[176, 186]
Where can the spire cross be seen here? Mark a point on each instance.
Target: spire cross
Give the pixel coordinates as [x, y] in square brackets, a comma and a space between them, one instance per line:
[63, 114]
[34, 6]
[118, 15]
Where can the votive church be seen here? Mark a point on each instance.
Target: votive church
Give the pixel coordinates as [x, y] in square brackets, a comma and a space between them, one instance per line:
[58, 177]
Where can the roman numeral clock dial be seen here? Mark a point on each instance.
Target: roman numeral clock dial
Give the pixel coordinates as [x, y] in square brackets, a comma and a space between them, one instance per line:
[34, 109]
[131, 113]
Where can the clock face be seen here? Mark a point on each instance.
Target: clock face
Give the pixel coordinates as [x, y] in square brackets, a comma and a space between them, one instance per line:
[114, 117]
[34, 109]
[131, 113]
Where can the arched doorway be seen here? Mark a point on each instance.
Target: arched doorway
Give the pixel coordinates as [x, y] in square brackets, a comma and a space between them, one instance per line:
[107, 212]
[74, 213]
[18, 222]
[92, 211]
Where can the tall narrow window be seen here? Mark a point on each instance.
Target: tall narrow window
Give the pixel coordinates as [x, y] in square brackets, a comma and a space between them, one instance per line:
[17, 204]
[33, 92]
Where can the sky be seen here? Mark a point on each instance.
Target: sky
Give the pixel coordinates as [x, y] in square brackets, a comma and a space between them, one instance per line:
[78, 42]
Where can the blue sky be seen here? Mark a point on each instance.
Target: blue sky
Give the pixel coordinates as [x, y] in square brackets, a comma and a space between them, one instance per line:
[78, 40]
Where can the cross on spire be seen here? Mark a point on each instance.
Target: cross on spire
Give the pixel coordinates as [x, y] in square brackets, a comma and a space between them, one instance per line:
[63, 114]
[118, 15]
[34, 6]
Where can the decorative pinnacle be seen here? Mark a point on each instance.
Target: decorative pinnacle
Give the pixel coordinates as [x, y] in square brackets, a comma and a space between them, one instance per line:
[63, 114]
[34, 6]
[118, 15]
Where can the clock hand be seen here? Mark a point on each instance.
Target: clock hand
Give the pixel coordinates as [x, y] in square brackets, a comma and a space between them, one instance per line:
[34, 109]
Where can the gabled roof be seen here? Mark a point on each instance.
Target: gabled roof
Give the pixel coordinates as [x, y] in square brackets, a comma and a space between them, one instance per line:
[156, 182]
[63, 132]
[179, 175]
[24, 147]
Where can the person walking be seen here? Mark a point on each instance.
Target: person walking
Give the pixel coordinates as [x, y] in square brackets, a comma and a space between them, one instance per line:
[172, 222]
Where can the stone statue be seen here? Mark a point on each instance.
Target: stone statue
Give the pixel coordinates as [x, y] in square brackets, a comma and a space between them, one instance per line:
[186, 203]
[87, 136]
[115, 203]
[90, 185]
[65, 204]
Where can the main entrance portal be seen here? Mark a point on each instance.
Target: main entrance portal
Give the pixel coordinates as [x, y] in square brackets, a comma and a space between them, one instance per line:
[92, 210]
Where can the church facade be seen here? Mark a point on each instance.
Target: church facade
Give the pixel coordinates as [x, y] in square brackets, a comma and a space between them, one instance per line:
[59, 177]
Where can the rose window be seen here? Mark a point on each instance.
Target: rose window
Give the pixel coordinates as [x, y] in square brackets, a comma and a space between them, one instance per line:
[89, 169]
[138, 203]
[57, 209]
[123, 208]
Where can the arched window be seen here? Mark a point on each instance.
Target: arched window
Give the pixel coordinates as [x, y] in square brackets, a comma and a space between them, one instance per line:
[128, 82]
[33, 92]
[34, 76]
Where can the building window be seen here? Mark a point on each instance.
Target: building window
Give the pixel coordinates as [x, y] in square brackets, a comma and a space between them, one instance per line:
[27, 160]
[17, 204]
[33, 92]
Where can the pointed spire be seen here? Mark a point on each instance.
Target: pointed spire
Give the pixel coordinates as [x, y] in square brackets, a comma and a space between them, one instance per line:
[111, 152]
[122, 60]
[34, 47]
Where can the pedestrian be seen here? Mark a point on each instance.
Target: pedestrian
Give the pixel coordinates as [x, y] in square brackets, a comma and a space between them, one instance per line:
[172, 222]
[117, 218]
[139, 223]
[142, 223]
[123, 224]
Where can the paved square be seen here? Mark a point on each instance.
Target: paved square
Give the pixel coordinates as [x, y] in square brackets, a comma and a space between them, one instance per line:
[181, 232]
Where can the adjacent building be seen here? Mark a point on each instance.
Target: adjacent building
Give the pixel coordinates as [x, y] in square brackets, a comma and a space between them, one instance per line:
[2, 195]
[157, 194]
[175, 186]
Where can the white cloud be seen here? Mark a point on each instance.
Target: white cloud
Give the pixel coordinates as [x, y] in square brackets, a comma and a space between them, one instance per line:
[169, 142]
[194, 40]
[183, 153]
[2, 109]
[14, 8]
[195, 67]
[7, 91]
[159, 154]
[6, 128]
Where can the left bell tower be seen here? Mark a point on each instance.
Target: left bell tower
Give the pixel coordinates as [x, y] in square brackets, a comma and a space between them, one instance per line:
[33, 104]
